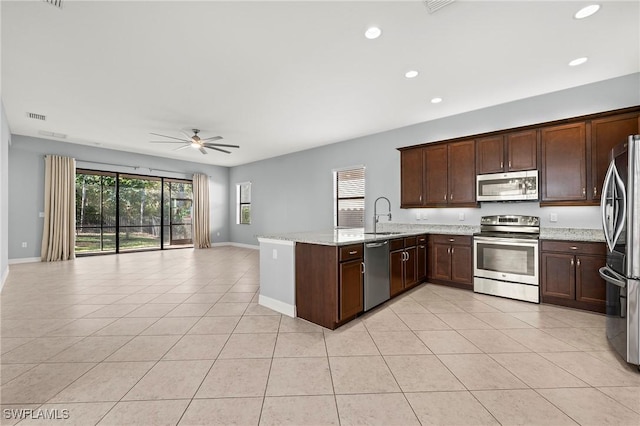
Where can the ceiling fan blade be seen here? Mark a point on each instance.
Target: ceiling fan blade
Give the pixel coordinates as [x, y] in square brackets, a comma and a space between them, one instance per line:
[182, 147]
[167, 142]
[222, 144]
[170, 137]
[212, 138]
[202, 150]
[217, 149]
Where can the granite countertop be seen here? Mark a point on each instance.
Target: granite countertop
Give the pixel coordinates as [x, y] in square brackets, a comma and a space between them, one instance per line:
[572, 234]
[341, 237]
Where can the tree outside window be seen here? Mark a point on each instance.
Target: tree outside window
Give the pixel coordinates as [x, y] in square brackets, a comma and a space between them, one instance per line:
[244, 203]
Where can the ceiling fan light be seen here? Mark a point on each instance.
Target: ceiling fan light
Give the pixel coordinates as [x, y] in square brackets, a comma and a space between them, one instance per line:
[195, 144]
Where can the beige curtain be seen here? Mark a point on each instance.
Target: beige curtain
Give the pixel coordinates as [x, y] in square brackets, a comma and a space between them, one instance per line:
[201, 231]
[58, 236]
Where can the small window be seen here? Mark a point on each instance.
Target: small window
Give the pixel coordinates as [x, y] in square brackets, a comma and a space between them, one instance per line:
[349, 198]
[244, 203]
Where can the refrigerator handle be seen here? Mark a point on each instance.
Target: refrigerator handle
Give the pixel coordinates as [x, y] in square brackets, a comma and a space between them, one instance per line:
[611, 276]
[603, 204]
[623, 207]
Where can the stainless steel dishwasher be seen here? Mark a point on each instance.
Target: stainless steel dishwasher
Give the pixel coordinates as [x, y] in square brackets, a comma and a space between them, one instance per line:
[376, 273]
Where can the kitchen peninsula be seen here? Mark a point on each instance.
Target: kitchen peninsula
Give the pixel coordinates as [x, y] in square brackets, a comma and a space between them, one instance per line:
[318, 275]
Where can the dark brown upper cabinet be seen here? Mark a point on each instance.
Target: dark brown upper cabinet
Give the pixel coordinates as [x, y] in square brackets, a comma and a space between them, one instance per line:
[563, 178]
[449, 175]
[605, 134]
[507, 153]
[411, 176]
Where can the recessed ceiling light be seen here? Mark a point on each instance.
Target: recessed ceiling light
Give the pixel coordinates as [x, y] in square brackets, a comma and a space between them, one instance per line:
[373, 33]
[578, 61]
[411, 74]
[436, 100]
[587, 11]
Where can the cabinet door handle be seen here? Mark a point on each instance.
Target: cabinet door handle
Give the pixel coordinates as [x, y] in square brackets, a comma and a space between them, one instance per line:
[353, 252]
[451, 196]
[451, 240]
[584, 192]
[362, 267]
[445, 197]
[509, 163]
[573, 248]
[420, 197]
[408, 255]
[448, 250]
[501, 164]
[571, 261]
[578, 262]
[452, 250]
[595, 191]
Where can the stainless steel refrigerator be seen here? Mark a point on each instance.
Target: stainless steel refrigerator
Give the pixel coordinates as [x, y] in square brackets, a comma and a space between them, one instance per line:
[620, 207]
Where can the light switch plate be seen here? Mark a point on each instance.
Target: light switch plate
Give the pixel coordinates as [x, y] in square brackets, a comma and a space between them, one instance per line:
[275, 254]
[553, 217]
[460, 216]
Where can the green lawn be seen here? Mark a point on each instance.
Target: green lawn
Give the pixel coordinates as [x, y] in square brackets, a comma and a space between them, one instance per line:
[90, 243]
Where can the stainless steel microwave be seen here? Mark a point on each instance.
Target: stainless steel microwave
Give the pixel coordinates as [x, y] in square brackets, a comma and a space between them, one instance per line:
[511, 186]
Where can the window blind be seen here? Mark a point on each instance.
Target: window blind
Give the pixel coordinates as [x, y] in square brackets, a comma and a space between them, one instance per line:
[350, 198]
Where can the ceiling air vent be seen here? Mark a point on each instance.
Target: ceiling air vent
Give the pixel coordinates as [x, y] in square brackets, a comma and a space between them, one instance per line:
[56, 3]
[36, 116]
[434, 5]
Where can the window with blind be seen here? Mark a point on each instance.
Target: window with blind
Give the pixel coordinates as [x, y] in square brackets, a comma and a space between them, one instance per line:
[349, 196]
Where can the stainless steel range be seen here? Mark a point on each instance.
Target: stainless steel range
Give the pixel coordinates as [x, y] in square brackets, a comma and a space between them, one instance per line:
[506, 257]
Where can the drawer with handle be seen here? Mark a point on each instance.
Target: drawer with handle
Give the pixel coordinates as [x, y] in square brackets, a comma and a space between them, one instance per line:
[353, 251]
[450, 239]
[581, 247]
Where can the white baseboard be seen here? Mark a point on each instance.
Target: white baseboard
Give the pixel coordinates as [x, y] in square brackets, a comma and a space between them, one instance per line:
[5, 274]
[278, 306]
[249, 246]
[24, 260]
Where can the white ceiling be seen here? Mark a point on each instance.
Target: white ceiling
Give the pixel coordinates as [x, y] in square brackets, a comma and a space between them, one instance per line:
[278, 77]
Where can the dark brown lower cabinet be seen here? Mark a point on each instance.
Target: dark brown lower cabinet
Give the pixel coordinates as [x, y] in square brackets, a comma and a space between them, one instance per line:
[569, 274]
[329, 283]
[451, 260]
[403, 264]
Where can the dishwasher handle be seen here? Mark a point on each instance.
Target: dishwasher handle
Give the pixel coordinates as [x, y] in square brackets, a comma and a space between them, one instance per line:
[376, 245]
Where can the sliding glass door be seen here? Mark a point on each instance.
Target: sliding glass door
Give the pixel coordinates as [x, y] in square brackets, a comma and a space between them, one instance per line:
[122, 212]
[96, 212]
[178, 196]
[139, 205]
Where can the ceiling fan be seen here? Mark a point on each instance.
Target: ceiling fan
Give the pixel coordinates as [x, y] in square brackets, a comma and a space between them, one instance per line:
[197, 143]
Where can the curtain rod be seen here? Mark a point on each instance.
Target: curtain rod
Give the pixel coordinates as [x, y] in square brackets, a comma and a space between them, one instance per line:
[133, 167]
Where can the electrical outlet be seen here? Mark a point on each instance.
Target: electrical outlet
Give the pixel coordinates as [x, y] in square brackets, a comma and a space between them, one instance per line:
[418, 216]
[24, 244]
[41, 214]
[275, 254]
[553, 217]
[460, 216]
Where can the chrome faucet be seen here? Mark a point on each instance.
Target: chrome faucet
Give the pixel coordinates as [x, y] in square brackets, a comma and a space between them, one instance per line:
[376, 215]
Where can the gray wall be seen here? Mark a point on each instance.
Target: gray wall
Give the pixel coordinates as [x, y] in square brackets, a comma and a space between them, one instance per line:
[26, 192]
[295, 192]
[5, 138]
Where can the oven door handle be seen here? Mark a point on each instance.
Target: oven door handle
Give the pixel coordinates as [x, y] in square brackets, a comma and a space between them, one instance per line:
[519, 241]
[611, 276]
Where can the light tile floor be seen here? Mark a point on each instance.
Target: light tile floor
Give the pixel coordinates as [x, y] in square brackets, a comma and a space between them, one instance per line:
[177, 337]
